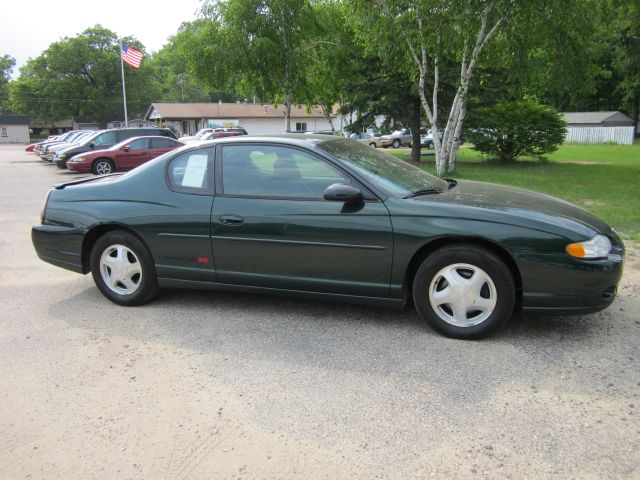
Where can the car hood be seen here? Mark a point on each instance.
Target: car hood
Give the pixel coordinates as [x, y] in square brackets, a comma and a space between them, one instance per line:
[516, 203]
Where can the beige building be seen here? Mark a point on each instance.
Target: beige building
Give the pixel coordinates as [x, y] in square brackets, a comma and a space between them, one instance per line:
[14, 129]
[256, 119]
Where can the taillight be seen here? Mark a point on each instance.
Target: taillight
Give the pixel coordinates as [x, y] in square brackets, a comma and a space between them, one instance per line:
[44, 207]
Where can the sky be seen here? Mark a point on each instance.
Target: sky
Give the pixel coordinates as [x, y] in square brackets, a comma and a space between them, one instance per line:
[27, 27]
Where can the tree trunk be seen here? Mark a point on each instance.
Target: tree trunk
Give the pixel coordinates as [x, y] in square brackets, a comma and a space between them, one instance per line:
[288, 97]
[635, 113]
[287, 111]
[414, 124]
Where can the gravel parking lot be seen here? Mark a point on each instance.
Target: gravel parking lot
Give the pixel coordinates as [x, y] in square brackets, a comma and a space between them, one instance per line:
[217, 385]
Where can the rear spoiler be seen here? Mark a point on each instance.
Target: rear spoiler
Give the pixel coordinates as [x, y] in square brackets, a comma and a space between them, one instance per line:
[60, 186]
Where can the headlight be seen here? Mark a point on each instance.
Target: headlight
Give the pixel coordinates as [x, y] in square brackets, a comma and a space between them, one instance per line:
[598, 247]
[76, 160]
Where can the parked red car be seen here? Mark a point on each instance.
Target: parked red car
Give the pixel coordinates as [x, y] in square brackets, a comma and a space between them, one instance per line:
[224, 132]
[122, 156]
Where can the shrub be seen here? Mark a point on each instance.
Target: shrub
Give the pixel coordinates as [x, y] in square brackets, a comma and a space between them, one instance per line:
[509, 130]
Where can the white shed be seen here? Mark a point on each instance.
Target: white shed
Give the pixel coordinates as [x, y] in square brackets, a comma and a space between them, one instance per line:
[14, 129]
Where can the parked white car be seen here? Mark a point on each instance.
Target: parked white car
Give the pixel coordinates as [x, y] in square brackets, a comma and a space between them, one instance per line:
[198, 136]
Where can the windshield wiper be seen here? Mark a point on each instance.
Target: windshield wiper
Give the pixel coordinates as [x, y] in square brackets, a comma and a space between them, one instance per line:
[424, 191]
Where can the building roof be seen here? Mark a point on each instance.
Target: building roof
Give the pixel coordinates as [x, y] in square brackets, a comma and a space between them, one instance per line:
[65, 123]
[14, 120]
[226, 110]
[596, 117]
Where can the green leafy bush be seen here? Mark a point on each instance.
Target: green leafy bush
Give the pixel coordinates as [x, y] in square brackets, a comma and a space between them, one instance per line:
[510, 130]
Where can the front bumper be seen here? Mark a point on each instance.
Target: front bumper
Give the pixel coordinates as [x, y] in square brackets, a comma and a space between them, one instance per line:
[79, 167]
[561, 284]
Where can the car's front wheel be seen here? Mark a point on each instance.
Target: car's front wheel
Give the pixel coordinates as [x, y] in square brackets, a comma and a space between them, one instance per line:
[123, 269]
[464, 291]
[396, 143]
[372, 145]
[103, 166]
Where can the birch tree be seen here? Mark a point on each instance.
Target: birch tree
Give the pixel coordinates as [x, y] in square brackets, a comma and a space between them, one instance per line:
[256, 48]
[434, 33]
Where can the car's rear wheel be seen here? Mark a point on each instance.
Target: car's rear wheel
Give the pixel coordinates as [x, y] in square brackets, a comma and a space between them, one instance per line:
[103, 166]
[464, 291]
[372, 145]
[396, 143]
[123, 269]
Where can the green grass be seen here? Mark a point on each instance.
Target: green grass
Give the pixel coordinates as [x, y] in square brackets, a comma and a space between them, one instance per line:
[604, 179]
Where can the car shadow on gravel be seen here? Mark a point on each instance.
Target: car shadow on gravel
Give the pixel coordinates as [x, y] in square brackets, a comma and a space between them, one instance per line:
[204, 308]
[241, 335]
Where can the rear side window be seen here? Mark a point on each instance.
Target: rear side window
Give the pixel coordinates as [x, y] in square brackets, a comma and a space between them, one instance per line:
[191, 172]
[139, 144]
[162, 143]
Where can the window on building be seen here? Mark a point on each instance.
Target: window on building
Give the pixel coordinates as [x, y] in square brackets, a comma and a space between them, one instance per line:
[3, 132]
[301, 126]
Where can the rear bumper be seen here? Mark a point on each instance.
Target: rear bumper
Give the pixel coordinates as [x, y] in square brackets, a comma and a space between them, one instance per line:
[59, 246]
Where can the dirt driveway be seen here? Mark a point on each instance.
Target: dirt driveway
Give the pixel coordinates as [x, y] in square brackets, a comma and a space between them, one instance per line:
[216, 385]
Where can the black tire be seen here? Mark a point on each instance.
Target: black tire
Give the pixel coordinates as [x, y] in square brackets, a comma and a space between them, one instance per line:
[103, 166]
[430, 145]
[372, 145]
[429, 281]
[145, 285]
[395, 143]
[61, 163]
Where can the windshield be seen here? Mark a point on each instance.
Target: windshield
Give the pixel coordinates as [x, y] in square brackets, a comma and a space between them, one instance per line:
[392, 175]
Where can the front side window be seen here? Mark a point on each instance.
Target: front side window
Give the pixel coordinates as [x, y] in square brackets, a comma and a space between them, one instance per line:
[278, 172]
[191, 171]
[105, 140]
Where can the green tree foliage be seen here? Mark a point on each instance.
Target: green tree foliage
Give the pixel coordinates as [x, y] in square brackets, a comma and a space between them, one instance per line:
[509, 130]
[175, 81]
[443, 44]
[256, 48]
[372, 92]
[626, 53]
[7, 63]
[80, 77]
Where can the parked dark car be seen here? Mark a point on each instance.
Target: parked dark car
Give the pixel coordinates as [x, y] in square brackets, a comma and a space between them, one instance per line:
[50, 151]
[327, 217]
[104, 139]
[123, 156]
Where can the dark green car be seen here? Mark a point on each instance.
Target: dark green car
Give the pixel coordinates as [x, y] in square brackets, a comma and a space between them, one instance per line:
[331, 218]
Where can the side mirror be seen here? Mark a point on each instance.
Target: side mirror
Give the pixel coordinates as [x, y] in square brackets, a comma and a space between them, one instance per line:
[92, 145]
[339, 192]
[126, 148]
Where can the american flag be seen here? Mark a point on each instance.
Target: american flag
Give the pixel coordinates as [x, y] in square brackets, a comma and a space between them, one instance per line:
[131, 56]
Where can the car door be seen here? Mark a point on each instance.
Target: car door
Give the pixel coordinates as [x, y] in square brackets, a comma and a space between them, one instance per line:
[272, 227]
[158, 146]
[133, 154]
[180, 236]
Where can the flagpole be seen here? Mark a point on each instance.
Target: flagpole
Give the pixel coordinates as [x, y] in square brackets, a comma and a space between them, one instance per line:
[124, 93]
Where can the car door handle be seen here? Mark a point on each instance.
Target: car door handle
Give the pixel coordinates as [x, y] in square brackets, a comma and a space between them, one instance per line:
[231, 219]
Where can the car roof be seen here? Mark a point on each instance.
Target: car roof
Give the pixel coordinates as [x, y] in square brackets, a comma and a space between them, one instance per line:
[300, 139]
